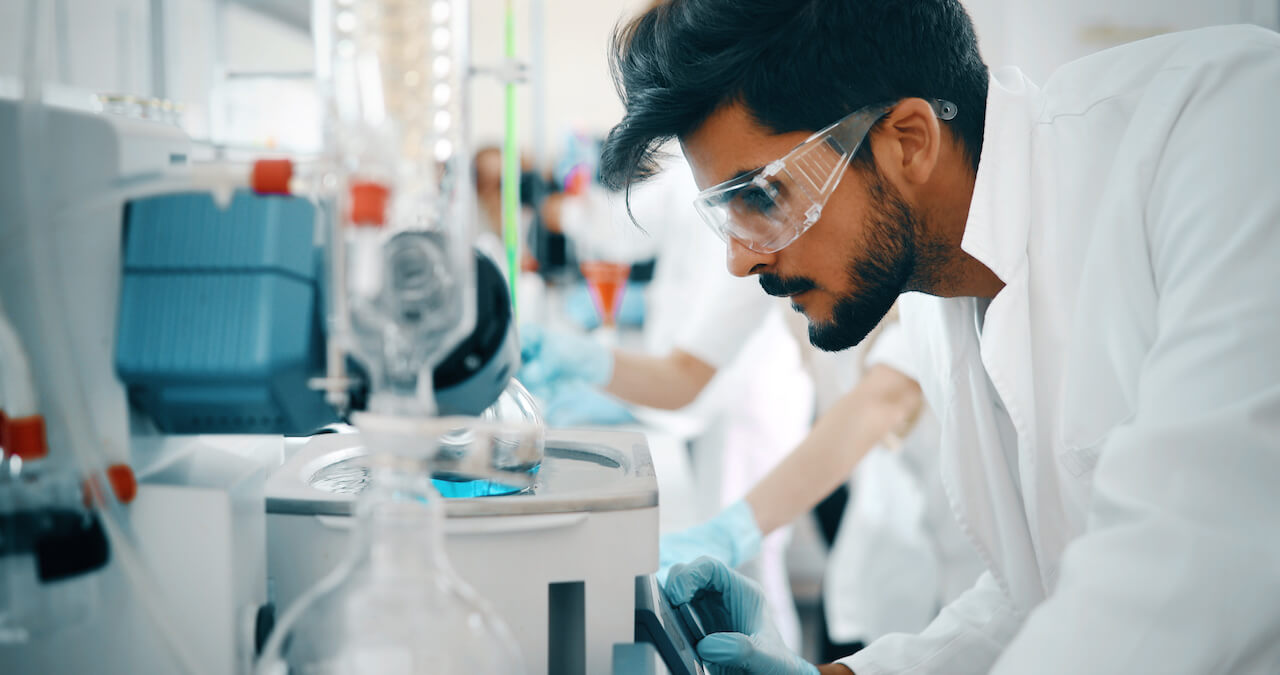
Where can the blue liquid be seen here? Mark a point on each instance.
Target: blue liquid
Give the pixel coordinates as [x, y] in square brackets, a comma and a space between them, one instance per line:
[467, 489]
[351, 476]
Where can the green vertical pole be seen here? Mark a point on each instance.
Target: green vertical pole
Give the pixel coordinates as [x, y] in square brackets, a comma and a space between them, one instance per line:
[511, 164]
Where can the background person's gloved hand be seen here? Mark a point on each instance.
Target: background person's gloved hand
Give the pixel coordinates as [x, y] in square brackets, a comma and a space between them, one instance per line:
[552, 357]
[575, 403]
[732, 537]
[754, 645]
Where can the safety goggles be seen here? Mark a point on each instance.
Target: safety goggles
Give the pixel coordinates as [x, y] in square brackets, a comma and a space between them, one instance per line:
[770, 207]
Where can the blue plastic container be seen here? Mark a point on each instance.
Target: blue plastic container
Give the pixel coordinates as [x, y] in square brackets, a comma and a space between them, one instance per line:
[220, 315]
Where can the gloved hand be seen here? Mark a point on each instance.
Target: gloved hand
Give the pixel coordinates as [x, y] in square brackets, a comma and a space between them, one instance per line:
[576, 403]
[551, 357]
[732, 537]
[754, 645]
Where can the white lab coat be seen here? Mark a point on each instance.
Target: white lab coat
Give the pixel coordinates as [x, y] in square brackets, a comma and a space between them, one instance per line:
[1111, 439]
[899, 555]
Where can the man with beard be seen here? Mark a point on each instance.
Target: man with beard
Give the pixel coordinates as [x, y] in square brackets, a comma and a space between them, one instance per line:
[1096, 325]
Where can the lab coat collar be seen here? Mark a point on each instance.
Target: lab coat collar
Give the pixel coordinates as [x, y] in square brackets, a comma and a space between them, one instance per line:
[995, 232]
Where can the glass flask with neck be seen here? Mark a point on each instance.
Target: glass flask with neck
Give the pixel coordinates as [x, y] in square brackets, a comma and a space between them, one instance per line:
[394, 606]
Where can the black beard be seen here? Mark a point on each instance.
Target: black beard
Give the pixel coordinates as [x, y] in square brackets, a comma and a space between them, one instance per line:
[882, 273]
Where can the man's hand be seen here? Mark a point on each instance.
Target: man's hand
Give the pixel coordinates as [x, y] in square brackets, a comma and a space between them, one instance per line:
[752, 643]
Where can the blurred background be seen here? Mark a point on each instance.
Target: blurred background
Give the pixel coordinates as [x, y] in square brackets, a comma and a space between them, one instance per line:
[217, 57]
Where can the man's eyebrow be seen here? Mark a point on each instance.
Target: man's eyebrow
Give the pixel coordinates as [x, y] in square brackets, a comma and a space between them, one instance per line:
[744, 172]
[736, 176]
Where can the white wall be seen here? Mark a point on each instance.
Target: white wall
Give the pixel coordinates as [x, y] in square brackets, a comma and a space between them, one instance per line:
[1040, 36]
[271, 112]
[578, 92]
[106, 49]
[104, 46]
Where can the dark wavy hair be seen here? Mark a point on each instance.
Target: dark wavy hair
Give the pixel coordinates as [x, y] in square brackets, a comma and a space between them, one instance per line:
[796, 65]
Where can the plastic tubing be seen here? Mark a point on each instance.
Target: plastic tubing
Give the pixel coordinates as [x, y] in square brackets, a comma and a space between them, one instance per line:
[219, 179]
[17, 389]
[70, 408]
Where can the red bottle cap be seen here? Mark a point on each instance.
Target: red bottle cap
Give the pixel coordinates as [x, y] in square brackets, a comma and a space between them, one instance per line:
[369, 203]
[23, 437]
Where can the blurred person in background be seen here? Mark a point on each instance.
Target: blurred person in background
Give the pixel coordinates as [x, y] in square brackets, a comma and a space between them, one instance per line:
[488, 176]
[542, 245]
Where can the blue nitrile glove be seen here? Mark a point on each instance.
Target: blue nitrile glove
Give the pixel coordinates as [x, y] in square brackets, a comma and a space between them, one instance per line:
[552, 357]
[582, 311]
[576, 403]
[754, 645]
[731, 537]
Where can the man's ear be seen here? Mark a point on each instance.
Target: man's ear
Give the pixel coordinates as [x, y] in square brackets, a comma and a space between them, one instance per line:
[908, 142]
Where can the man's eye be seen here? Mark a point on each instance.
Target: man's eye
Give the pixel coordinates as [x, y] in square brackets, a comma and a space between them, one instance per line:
[756, 200]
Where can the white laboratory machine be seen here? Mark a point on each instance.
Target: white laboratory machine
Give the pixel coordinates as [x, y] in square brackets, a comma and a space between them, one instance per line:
[165, 322]
[558, 560]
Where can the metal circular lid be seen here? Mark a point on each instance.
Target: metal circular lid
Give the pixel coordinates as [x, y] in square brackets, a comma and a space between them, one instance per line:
[582, 470]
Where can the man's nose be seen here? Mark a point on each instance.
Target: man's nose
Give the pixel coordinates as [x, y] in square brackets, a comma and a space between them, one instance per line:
[743, 261]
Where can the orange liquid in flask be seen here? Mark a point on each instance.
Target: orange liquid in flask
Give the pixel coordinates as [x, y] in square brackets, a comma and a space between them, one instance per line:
[606, 281]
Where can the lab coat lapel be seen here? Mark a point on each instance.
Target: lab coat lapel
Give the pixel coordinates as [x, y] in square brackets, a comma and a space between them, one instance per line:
[996, 235]
[980, 483]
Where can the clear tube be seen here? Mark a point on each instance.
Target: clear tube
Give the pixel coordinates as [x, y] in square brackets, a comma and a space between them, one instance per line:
[17, 389]
[219, 179]
[64, 403]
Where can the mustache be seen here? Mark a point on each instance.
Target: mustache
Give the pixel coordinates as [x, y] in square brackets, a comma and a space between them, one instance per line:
[777, 286]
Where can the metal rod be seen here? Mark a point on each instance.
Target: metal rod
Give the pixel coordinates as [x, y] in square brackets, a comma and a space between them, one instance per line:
[155, 25]
[511, 166]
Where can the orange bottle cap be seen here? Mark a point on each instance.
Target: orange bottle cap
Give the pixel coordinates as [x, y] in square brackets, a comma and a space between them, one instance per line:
[271, 176]
[123, 482]
[369, 203]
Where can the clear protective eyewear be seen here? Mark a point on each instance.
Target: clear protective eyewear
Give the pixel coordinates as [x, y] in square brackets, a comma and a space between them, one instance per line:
[770, 207]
